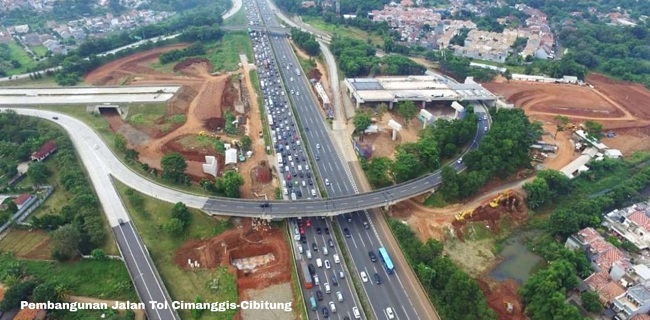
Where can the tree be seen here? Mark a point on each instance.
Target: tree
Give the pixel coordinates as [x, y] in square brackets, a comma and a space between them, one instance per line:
[65, 242]
[378, 171]
[180, 212]
[361, 122]
[450, 188]
[120, 142]
[537, 193]
[173, 166]
[407, 110]
[45, 292]
[38, 173]
[590, 302]
[174, 227]
[406, 166]
[99, 255]
[17, 293]
[561, 122]
[594, 129]
[246, 142]
[232, 181]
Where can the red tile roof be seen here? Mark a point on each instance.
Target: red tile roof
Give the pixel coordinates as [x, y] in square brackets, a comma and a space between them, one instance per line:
[641, 316]
[589, 234]
[610, 291]
[599, 246]
[26, 314]
[597, 280]
[48, 147]
[22, 198]
[608, 258]
[640, 219]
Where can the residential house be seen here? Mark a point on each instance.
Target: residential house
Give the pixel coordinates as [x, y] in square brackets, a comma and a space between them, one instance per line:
[631, 224]
[641, 316]
[22, 28]
[635, 301]
[308, 4]
[606, 289]
[46, 150]
[32, 39]
[23, 200]
[601, 253]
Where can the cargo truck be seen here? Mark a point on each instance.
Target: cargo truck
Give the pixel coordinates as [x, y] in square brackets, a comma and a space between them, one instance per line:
[306, 275]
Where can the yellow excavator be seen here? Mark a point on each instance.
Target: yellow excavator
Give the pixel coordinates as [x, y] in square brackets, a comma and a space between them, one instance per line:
[464, 215]
[495, 202]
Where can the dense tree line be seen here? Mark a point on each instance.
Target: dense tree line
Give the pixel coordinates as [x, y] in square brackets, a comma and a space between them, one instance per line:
[196, 49]
[81, 217]
[502, 152]
[305, 41]
[447, 285]
[84, 59]
[357, 58]
[440, 141]
[459, 67]
[201, 33]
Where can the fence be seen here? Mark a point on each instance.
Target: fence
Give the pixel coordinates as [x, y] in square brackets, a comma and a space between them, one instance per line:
[29, 207]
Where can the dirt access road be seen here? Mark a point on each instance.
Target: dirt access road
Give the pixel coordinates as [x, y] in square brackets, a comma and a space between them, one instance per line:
[618, 106]
[203, 99]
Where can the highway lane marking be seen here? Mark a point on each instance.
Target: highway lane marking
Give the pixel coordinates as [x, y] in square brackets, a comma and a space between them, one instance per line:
[353, 241]
[139, 271]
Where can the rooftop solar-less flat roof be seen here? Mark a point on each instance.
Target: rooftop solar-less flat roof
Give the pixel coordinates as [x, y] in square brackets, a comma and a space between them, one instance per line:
[366, 84]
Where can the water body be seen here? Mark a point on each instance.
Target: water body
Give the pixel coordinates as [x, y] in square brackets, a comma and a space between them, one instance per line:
[518, 262]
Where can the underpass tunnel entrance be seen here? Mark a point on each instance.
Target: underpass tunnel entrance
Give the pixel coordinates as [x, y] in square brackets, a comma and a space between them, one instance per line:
[108, 110]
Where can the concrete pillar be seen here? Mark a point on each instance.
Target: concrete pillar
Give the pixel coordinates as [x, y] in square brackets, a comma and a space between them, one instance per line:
[394, 134]
[358, 104]
[390, 105]
[387, 207]
[424, 103]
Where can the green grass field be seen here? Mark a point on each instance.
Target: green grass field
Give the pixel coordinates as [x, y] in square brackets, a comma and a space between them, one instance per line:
[168, 67]
[19, 54]
[40, 50]
[182, 284]
[224, 54]
[146, 114]
[238, 19]
[343, 30]
[97, 279]
[22, 243]
[27, 82]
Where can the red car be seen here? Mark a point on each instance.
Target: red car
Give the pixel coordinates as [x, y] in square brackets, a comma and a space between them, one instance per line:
[302, 231]
[308, 223]
[288, 177]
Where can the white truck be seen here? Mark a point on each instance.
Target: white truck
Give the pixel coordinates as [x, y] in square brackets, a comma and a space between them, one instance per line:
[262, 84]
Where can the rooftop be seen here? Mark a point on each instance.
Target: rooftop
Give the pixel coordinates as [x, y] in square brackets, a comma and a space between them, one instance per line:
[417, 88]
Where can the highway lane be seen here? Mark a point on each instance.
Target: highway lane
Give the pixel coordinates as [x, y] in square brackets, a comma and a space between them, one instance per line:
[320, 245]
[339, 181]
[146, 279]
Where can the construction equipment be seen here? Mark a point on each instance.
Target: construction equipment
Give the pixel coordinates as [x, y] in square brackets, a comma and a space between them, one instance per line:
[571, 126]
[509, 307]
[202, 133]
[495, 202]
[464, 215]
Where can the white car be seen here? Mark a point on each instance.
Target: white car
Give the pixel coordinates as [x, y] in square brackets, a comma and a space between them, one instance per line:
[389, 313]
[319, 263]
[341, 274]
[357, 314]
[336, 258]
[316, 281]
[364, 276]
[327, 264]
[332, 307]
[460, 160]
[327, 182]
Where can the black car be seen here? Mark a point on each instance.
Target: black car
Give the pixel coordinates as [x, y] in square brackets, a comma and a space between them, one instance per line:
[311, 268]
[314, 246]
[347, 233]
[373, 257]
[331, 243]
[318, 230]
[308, 175]
[327, 230]
[55, 118]
[303, 239]
[377, 278]
[319, 295]
[310, 182]
[335, 281]
[317, 158]
[326, 313]
[265, 205]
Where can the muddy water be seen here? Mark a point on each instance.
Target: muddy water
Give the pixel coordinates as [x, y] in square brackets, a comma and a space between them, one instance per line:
[518, 263]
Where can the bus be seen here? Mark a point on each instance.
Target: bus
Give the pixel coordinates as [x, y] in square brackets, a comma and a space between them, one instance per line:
[309, 283]
[386, 261]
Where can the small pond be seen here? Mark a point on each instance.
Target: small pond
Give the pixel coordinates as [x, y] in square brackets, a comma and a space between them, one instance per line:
[518, 262]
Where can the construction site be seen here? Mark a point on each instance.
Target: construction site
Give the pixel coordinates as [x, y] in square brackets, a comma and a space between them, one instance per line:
[256, 252]
[194, 121]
